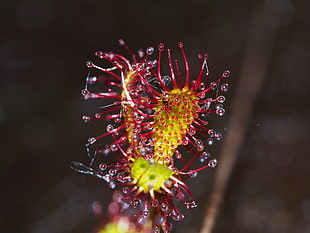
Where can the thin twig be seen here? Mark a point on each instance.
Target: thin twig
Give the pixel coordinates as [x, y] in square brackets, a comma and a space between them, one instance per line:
[257, 54]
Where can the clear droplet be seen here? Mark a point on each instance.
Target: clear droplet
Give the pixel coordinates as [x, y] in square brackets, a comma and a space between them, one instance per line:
[221, 99]
[140, 53]
[91, 140]
[212, 163]
[121, 42]
[86, 118]
[110, 128]
[89, 64]
[220, 111]
[112, 185]
[218, 136]
[91, 80]
[85, 92]
[113, 147]
[211, 132]
[213, 85]
[103, 166]
[178, 216]
[204, 156]
[226, 74]
[210, 141]
[149, 50]
[224, 87]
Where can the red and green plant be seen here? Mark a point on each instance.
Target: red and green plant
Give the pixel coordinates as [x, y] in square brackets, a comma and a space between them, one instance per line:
[155, 117]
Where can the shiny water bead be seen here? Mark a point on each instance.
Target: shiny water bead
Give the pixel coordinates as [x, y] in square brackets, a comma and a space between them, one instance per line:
[149, 50]
[103, 166]
[112, 185]
[125, 190]
[204, 156]
[218, 136]
[91, 80]
[220, 111]
[211, 132]
[224, 87]
[110, 128]
[177, 216]
[190, 205]
[91, 140]
[89, 64]
[140, 53]
[86, 118]
[210, 141]
[121, 42]
[213, 85]
[220, 99]
[226, 74]
[212, 163]
[85, 92]
[113, 147]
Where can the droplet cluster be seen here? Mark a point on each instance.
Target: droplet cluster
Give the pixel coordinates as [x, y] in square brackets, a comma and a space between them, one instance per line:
[150, 116]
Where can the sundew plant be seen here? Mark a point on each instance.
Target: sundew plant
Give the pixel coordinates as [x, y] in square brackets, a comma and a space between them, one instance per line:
[156, 114]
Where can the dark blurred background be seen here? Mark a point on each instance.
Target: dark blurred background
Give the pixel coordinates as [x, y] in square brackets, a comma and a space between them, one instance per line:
[44, 45]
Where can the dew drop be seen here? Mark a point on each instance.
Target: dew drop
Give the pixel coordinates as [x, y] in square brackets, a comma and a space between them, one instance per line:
[224, 87]
[99, 54]
[161, 47]
[178, 216]
[206, 155]
[140, 53]
[113, 147]
[85, 92]
[91, 80]
[213, 85]
[212, 163]
[163, 207]
[194, 174]
[211, 132]
[89, 64]
[121, 42]
[110, 128]
[178, 154]
[103, 166]
[210, 141]
[193, 204]
[91, 140]
[221, 99]
[86, 118]
[149, 50]
[220, 111]
[201, 95]
[117, 120]
[180, 44]
[192, 131]
[226, 74]
[106, 151]
[218, 136]
[125, 190]
[112, 185]
[202, 86]
[185, 142]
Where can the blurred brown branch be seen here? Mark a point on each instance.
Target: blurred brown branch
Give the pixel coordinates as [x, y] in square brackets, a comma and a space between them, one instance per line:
[256, 59]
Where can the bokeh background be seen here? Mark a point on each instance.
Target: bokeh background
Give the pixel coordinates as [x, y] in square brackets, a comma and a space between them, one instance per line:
[44, 45]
